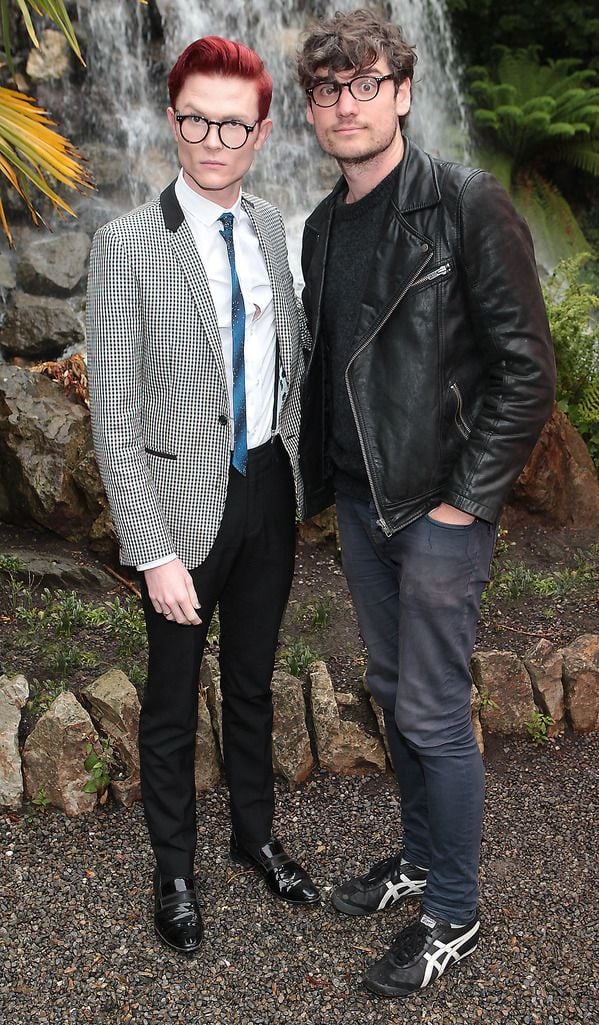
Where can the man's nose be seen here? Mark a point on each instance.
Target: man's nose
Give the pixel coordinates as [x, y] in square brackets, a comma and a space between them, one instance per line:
[212, 138]
[347, 103]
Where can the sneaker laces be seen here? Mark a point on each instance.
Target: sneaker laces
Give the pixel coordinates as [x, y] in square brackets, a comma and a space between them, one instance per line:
[386, 867]
[409, 942]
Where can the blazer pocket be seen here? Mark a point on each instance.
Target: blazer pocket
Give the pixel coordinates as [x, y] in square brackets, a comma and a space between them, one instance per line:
[159, 455]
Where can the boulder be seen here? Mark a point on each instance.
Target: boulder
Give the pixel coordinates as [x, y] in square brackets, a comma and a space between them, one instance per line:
[505, 690]
[342, 747]
[207, 759]
[291, 750]
[475, 706]
[62, 572]
[114, 707]
[210, 686]
[14, 692]
[581, 682]
[53, 265]
[52, 59]
[37, 326]
[54, 754]
[544, 664]
[49, 472]
[8, 276]
[380, 721]
[559, 482]
[108, 165]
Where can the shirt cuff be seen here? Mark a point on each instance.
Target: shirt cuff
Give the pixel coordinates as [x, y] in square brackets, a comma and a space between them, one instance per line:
[157, 562]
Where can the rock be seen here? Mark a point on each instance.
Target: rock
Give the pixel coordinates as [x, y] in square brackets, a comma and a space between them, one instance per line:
[343, 747]
[8, 276]
[320, 528]
[581, 682]
[207, 760]
[292, 753]
[108, 165]
[53, 265]
[380, 719]
[505, 690]
[544, 664]
[345, 700]
[54, 754]
[45, 439]
[559, 481]
[14, 692]
[59, 573]
[40, 326]
[210, 685]
[475, 705]
[114, 707]
[52, 59]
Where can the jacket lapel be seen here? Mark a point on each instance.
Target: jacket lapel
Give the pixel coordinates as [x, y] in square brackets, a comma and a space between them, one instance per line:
[263, 232]
[185, 250]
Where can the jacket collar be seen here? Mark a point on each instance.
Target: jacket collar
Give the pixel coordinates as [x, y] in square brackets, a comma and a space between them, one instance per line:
[417, 186]
[171, 208]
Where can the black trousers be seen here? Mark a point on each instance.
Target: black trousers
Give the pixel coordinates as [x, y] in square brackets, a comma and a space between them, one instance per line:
[248, 573]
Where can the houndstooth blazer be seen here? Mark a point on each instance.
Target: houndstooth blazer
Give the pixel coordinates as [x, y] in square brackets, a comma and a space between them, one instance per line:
[158, 392]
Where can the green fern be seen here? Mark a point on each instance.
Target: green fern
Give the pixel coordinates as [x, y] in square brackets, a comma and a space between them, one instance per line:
[589, 403]
[541, 114]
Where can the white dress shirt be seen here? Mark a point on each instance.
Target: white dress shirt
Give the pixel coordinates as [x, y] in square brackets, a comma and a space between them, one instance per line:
[202, 216]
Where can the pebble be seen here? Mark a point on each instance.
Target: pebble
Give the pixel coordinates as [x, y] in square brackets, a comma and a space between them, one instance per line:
[77, 945]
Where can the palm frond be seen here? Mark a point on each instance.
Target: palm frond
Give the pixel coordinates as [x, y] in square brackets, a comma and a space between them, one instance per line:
[31, 151]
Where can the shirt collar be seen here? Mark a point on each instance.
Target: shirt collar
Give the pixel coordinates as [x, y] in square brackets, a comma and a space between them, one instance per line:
[204, 210]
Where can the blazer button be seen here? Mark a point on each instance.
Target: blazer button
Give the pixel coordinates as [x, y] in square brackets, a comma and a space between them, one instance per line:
[223, 419]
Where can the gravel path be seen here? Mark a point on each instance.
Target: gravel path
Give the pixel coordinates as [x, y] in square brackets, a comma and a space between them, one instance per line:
[77, 946]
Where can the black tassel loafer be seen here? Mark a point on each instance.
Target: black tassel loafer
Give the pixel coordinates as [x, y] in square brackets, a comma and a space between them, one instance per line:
[284, 877]
[177, 918]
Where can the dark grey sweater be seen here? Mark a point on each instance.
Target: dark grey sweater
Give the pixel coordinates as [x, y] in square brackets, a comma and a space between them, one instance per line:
[355, 233]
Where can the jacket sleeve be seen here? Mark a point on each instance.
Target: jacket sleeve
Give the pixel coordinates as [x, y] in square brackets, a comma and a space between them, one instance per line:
[506, 307]
[115, 338]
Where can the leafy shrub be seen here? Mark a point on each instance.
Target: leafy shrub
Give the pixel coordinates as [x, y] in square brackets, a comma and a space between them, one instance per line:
[573, 311]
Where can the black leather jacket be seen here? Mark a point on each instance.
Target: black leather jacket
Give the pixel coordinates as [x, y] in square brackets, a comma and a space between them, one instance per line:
[452, 372]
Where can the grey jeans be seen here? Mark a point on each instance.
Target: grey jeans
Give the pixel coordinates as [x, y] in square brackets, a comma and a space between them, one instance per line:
[417, 599]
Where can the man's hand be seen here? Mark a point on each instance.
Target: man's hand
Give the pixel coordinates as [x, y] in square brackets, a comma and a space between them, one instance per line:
[172, 593]
[445, 513]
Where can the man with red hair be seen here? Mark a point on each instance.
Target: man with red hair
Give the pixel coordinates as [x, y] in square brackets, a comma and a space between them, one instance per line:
[194, 341]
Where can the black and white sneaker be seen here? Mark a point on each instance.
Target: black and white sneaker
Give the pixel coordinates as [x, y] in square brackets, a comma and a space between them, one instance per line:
[386, 883]
[420, 954]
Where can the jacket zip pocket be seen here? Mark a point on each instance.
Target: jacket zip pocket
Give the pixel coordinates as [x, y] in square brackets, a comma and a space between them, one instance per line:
[439, 272]
[460, 422]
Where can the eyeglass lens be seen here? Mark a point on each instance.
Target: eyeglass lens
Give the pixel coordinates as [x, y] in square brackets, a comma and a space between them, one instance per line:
[232, 134]
[363, 88]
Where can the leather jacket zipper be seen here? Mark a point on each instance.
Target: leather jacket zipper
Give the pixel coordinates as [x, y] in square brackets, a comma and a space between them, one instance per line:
[439, 272]
[381, 522]
[461, 424]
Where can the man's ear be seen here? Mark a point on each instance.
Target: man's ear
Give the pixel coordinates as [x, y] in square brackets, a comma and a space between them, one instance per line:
[263, 133]
[403, 98]
[309, 114]
[170, 113]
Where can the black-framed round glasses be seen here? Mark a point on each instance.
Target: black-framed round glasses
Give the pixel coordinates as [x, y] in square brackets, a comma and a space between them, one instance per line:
[232, 134]
[362, 88]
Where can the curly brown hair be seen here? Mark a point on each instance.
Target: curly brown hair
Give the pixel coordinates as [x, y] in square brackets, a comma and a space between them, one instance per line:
[354, 39]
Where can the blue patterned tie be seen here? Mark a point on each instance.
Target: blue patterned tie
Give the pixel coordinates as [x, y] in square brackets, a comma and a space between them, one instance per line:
[240, 445]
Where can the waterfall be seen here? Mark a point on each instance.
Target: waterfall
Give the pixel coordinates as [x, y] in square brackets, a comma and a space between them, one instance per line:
[126, 88]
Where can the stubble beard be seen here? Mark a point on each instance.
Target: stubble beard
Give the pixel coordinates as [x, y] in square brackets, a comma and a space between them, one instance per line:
[377, 150]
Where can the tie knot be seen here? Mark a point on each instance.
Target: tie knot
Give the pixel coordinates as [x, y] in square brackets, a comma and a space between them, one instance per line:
[227, 223]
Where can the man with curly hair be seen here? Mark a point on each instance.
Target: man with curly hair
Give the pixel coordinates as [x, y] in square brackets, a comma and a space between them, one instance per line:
[429, 379]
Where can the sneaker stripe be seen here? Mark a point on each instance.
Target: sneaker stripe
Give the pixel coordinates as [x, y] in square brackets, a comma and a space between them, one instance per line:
[445, 954]
[403, 888]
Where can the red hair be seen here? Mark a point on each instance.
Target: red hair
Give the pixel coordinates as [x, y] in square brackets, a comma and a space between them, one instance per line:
[212, 55]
